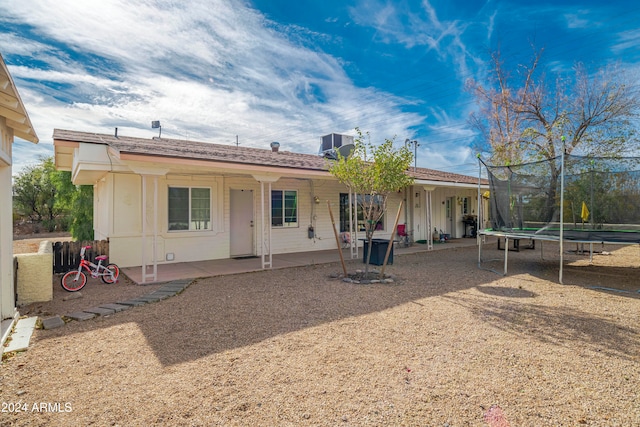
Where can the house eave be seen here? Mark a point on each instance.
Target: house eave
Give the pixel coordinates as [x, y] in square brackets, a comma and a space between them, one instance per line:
[226, 167]
[441, 184]
[12, 108]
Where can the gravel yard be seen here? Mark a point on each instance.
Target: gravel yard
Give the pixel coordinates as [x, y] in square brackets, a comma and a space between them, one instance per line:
[448, 344]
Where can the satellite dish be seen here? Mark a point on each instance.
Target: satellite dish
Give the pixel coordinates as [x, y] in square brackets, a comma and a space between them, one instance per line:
[329, 154]
[346, 150]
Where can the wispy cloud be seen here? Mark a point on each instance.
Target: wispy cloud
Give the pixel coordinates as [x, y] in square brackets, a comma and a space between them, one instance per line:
[627, 40]
[209, 70]
[580, 19]
[400, 24]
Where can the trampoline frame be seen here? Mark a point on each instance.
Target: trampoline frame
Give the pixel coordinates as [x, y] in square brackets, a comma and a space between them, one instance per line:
[560, 238]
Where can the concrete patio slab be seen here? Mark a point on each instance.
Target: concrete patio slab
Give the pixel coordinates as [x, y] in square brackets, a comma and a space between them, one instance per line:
[188, 271]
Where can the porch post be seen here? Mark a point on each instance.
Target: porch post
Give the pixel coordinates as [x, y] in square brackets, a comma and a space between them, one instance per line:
[265, 235]
[154, 238]
[143, 238]
[429, 213]
[428, 208]
[265, 221]
[353, 231]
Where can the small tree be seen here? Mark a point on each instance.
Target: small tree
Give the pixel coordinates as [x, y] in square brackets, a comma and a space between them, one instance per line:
[373, 173]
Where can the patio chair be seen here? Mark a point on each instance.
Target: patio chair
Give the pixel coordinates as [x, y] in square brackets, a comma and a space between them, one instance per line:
[345, 239]
[402, 237]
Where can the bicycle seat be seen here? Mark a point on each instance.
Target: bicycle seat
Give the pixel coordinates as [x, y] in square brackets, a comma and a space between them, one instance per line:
[101, 258]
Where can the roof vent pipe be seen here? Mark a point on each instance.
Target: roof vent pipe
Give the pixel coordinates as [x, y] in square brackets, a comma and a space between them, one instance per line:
[275, 146]
[116, 134]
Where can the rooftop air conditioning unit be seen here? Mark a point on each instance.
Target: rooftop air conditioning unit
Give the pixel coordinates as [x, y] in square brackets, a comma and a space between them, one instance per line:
[335, 142]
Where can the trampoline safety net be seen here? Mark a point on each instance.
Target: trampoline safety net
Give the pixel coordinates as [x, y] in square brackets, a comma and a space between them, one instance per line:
[601, 200]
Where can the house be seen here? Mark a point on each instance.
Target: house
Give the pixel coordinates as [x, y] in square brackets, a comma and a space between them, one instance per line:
[14, 122]
[163, 200]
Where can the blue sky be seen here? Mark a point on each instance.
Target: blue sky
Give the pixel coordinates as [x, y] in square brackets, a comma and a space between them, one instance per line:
[276, 70]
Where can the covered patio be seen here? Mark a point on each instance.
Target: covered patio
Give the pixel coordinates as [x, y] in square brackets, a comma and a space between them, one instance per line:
[220, 267]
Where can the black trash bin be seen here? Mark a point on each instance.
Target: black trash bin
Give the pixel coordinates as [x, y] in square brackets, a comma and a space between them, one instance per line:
[378, 251]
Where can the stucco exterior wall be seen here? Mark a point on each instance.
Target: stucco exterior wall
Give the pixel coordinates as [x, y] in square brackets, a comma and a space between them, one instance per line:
[35, 275]
[120, 198]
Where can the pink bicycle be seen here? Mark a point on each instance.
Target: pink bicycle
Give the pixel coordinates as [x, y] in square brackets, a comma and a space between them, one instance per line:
[76, 279]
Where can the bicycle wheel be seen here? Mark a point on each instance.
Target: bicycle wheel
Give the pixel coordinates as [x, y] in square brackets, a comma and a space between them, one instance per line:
[73, 281]
[111, 274]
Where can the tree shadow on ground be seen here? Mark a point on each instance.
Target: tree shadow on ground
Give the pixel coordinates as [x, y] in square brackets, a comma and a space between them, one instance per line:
[222, 313]
[560, 326]
[218, 314]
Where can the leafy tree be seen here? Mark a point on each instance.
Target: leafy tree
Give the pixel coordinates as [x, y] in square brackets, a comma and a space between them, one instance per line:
[48, 196]
[374, 172]
[35, 193]
[82, 222]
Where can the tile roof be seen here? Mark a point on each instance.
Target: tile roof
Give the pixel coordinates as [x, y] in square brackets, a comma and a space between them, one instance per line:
[173, 148]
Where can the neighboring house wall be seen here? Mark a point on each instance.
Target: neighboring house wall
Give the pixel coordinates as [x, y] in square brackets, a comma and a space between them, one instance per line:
[7, 297]
[14, 122]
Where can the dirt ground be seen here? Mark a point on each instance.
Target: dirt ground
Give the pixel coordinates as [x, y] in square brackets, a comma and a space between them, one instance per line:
[448, 344]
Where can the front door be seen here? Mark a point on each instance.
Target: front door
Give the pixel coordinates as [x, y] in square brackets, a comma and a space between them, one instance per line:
[241, 225]
[451, 216]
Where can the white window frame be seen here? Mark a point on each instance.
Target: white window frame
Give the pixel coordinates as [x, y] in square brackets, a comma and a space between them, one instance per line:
[466, 205]
[284, 223]
[189, 228]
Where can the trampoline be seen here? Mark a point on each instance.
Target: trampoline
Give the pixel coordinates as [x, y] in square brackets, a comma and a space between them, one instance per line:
[578, 199]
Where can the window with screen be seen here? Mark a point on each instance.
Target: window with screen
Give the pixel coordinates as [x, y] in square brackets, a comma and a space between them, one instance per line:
[189, 208]
[284, 208]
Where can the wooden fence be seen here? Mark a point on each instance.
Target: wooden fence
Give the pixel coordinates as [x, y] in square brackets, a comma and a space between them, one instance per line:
[66, 255]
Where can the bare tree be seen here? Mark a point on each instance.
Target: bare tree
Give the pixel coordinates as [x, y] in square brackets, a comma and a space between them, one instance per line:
[522, 118]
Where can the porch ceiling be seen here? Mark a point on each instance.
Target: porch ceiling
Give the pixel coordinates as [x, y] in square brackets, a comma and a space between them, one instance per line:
[63, 155]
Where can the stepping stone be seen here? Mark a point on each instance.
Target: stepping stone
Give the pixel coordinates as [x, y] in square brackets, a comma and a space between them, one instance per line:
[99, 311]
[162, 294]
[52, 322]
[133, 302]
[172, 288]
[151, 298]
[116, 307]
[81, 316]
[21, 335]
